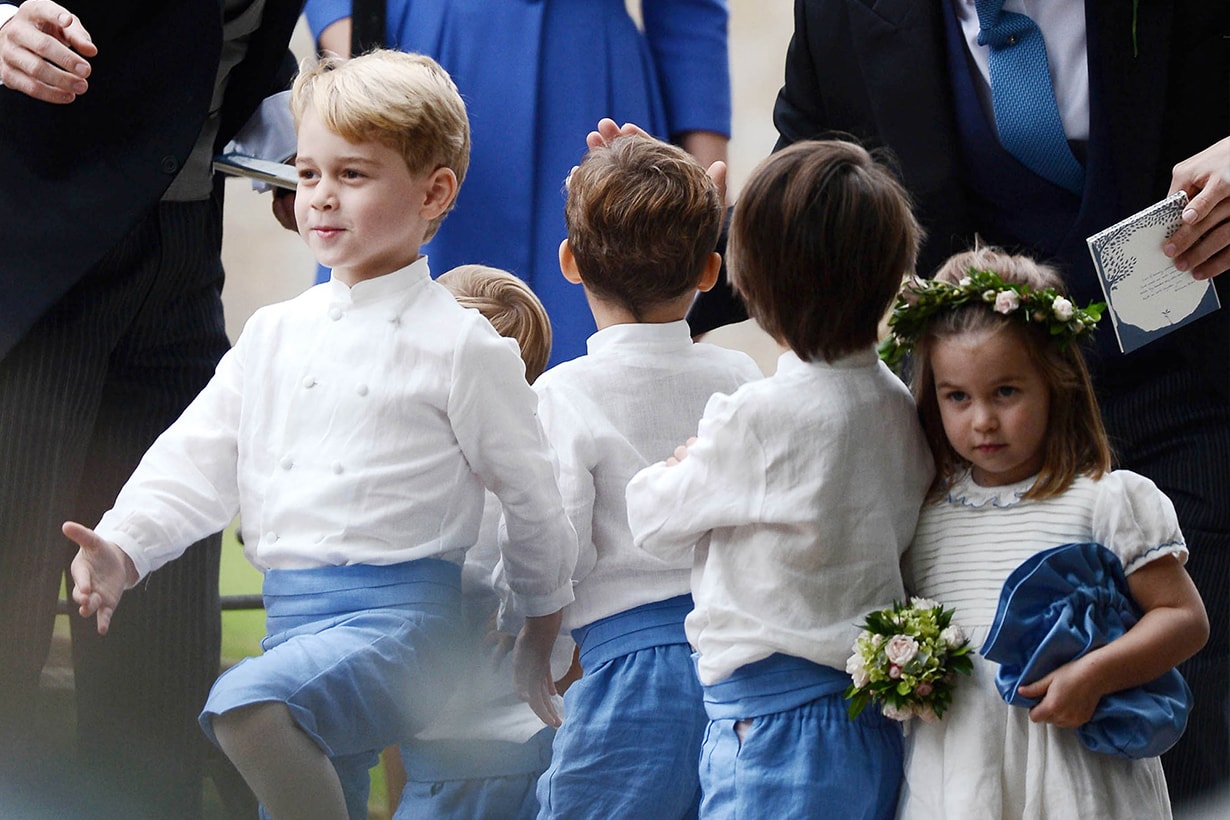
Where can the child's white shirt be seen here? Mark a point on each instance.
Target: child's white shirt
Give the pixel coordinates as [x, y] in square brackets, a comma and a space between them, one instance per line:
[803, 491]
[637, 394]
[358, 425]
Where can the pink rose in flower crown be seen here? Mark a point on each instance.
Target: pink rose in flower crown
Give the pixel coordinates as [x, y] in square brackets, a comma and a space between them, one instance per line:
[900, 649]
[1007, 301]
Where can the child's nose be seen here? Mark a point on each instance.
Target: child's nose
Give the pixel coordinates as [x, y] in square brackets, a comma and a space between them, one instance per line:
[322, 196]
[985, 417]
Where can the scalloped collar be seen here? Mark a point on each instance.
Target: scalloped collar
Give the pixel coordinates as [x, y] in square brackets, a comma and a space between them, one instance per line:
[964, 491]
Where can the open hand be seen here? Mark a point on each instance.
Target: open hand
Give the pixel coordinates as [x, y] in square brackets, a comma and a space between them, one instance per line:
[101, 572]
[42, 51]
[532, 666]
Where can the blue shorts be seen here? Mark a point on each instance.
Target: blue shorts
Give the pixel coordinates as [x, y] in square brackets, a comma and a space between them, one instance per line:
[476, 779]
[359, 654]
[801, 755]
[630, 743]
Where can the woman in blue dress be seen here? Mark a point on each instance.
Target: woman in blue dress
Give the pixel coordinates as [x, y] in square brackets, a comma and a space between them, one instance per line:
[537, 75]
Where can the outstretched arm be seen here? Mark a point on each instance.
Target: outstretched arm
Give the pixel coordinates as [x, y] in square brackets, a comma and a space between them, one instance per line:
[1202, 244]
[1173, 628]
[101, 572]
[42, 51]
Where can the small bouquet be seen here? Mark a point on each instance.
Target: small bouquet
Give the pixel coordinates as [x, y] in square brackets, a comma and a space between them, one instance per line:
[906, 659]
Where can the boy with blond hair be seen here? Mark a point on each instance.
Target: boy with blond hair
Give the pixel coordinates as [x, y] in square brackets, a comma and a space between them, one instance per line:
[643, 219]
[354, 428]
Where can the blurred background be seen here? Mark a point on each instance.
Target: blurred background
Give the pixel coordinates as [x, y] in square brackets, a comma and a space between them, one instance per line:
[266, 263]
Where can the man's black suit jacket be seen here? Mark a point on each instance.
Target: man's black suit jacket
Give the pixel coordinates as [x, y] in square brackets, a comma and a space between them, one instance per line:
[75, 178]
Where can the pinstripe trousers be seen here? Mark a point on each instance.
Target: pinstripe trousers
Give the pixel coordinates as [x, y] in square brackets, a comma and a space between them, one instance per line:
[1175, 429]
[82, 397]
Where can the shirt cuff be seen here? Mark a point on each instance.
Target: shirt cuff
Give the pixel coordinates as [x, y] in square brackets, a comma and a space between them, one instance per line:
[535, 606]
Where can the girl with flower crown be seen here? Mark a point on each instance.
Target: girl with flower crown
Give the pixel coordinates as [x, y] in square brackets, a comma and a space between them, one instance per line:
[1023, 466]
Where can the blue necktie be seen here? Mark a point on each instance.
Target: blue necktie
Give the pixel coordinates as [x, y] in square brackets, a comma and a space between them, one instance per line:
[1022, 97]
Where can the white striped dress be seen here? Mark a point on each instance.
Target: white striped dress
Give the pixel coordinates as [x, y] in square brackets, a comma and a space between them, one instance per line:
[986, 759]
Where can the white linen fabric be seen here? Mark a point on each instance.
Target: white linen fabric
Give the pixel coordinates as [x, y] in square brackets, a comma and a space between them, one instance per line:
[806, 487]
[637, 394]
[986, 759]
[358, 425]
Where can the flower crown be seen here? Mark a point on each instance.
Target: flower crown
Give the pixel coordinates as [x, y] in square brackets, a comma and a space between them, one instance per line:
[921, 300]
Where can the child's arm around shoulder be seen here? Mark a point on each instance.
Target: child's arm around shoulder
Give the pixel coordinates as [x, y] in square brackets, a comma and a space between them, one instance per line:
[1137, 521]
[101, 572]
[716, 479]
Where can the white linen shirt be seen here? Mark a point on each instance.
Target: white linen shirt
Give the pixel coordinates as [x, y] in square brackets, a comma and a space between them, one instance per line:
[358, 425]
[806, 487]
[637, 395]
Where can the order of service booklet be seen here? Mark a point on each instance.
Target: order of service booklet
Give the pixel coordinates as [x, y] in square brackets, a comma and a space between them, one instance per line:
[1146, 296]
[278, 174]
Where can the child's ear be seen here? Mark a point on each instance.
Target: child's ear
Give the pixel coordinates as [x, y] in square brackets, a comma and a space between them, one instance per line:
[713, 266]
[568, 263]
[441, 191]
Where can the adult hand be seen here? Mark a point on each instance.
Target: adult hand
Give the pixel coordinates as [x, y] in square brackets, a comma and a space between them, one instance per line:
[708, 148]
[532, 666]
[1202, 244]
[41, 52]
[101, 572]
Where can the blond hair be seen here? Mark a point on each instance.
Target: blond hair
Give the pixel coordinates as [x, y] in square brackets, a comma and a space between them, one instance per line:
[643, 218]
[403, 100]
[1076, 442]
[509, 305]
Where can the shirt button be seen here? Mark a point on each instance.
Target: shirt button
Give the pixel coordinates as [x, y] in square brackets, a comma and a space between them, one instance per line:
[270, 537]
[337, 468]
[335, 313]
[361, 389]
[309, 382]
[287, 463]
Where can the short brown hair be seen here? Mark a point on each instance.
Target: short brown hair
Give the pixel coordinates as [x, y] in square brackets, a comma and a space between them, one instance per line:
[403, 100]
[1076, 442]
[509, 305]
[643, 218]
[820, 240]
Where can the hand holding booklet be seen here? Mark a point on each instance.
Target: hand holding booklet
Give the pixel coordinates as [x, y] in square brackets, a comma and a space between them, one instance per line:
[1146, 296]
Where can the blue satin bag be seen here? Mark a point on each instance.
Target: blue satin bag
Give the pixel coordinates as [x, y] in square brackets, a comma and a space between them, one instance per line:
[1061, 604]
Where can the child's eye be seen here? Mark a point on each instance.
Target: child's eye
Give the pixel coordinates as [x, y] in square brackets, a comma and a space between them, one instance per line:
[955, 396]
[351, 173]
[306, 175]
[1006, 391]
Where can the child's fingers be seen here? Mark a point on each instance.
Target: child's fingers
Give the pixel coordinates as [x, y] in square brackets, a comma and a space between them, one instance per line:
[1037, 689]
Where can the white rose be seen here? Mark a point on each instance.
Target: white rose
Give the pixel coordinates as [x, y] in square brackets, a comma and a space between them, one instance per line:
[901, 649]
[923, 603]
[953, 635]
[1062, 309]
[857, 670]
[1007, 301]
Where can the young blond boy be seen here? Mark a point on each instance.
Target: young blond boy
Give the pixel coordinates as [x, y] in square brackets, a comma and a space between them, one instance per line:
[643, 219]
[354, 428]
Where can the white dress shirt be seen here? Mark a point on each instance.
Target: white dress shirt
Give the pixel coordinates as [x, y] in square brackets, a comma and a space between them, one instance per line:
[637, 395]
[358, 425]
[806, 486]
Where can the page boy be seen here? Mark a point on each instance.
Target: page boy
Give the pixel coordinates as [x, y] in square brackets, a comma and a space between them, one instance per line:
[354, 428]
[642, 219]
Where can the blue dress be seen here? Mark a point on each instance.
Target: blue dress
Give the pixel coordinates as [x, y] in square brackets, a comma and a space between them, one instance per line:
[536, 76]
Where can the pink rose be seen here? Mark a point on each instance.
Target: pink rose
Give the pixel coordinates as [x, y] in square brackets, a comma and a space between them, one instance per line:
[1007, 301]
[900, 649]
[894, 672]
[923, 689]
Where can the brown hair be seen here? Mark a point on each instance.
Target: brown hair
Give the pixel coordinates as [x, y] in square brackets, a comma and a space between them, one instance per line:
[403, 100]
[509, 305]
[1076, 442]
[821, 238]
[643, 218]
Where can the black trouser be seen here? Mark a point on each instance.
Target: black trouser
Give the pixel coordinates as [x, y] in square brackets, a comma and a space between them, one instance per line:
[82, 397]
[1175, 429]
